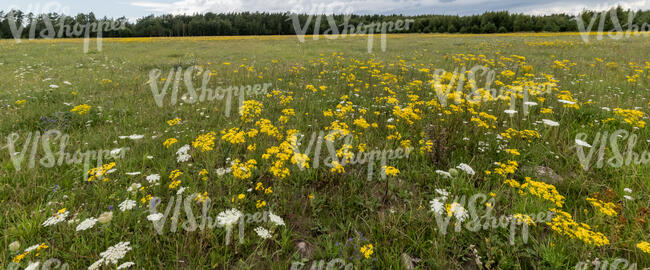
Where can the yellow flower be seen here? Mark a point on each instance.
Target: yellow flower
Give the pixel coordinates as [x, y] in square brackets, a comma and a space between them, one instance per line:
[167, 143]
[367, 250]
[174, 122]
[21, 102]
[390, 171]
[81, 109]
[644, 246]
[205, 141]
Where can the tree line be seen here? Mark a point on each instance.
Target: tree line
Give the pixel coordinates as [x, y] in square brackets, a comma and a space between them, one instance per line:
[16, 23]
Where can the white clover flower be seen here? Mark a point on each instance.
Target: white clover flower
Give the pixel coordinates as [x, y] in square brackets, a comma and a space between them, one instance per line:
[263, 233]
[228, 218]
[466, 168]
[86, 224]
[153, 178]
[115, 253]
[277, 220]
[126, 205]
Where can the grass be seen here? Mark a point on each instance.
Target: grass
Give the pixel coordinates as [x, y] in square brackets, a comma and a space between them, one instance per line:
[328, 215]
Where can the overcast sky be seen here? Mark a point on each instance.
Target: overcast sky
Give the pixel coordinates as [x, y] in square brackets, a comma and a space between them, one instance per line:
[137, 8]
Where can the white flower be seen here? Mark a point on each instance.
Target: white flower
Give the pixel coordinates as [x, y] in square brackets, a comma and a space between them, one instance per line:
[153, 178]
[33, 266]
[86, 224]
[116, 151]
[510, 112]
[183, 158]
[132, 137]
[115, 253]
[443, 173]
[628, 190]
[125, 265]
[277, 220]
[54, 86]
[53, 220]
[437, 206]
[582, 143]
[67, 82]
[32, 248]
[105, 217]
[133, 173]
[228, 218]
[530, 103]
[263, 233]
[134, 187]
[96, 265]
[628, 197]
[442, 192]
[127, 205]
[550, 123]
[466, 168]
[459, 212]
[183, 149]
[566, 101]
[154, 217]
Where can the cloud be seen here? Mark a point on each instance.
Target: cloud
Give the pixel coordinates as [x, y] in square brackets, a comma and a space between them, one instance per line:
[408, 7]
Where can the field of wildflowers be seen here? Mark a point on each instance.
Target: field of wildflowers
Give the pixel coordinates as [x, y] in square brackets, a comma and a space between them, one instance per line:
[406, 136]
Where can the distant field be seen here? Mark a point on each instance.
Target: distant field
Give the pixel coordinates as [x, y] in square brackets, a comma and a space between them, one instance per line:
[515, 147]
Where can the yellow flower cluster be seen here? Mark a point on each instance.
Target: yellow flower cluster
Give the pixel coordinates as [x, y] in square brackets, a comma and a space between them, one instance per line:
[173, 176]
[81, 109]
[174, 122]
[564, 224]
[367, 250]
[20, 257]
[243, 170]
[167, 143]
[644, 246]
[250, 110]
[542, 190]
[234, 136]
[98, 173]
[390, 171]
[632, 117]
[606, 208]
[205, 141]
[524, 134]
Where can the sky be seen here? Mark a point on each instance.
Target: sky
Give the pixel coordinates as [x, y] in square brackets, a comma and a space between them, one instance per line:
[134, 9]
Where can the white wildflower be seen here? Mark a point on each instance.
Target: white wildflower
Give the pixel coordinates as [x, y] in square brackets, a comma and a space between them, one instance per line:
[466, 168]
[153, 178]
[86, 224]
[277, 220]
[228, 218]
[263, 233]
[127, 205]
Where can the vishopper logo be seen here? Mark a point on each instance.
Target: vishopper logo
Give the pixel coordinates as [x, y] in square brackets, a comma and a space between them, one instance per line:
[618, 158]
[46, 265]
[49, 159]
[53, 23]
[615, 30]
[346, 156]
[443, 83]
[320, 264]
[444, 210]
[176, 76]
[227, 219]
[597, 264]
[345, 29]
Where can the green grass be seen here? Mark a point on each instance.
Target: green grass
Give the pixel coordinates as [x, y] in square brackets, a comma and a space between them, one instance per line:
[346, 211]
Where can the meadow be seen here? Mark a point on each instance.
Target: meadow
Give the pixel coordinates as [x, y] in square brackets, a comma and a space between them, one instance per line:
[524, 140]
